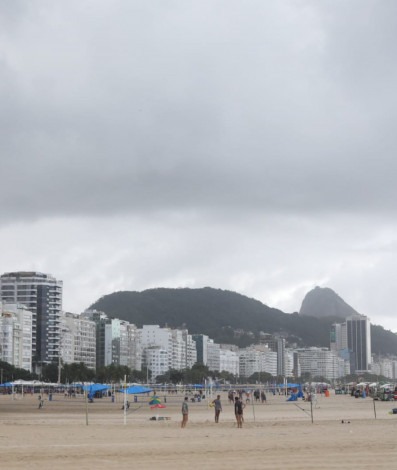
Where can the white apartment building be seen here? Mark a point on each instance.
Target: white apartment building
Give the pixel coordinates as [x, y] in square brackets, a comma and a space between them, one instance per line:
[321, 362]
[292, 364]
[117, 341]
[42, 295]
[277, 345]
[270, 361]
[213, 356]
[152, 336]
[257, 359]
[191, 351]
[134, 348]
[155, 360]
[66, 347]
[16, 335]
[178, 359]
[250, 361]
[229, 361]
[289, 363]
[384, 366]
[179, 345]
[78, 340]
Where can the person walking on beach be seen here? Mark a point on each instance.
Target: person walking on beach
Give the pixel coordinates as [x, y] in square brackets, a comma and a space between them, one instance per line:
[238, 411]
[230, 397]
[218, 407]
[185, 412]
[41, 402]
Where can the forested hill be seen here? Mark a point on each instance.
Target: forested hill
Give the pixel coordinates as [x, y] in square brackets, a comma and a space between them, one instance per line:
[225, 316]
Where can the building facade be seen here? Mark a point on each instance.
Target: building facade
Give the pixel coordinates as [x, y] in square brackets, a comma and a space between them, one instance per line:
[42, 295]
[16, 335]
[277, 345]
[78, 340]
[117, 341]
[359, 343]
[229, 361]
[202, 348]
[213, 356]
[321, 362]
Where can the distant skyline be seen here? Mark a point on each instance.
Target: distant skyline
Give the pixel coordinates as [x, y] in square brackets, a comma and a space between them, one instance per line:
[247, 146]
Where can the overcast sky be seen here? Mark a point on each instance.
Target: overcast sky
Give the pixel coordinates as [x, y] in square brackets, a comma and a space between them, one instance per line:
[243, 145]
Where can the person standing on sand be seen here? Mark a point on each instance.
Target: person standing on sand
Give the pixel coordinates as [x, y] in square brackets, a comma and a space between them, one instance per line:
[41, 402]
[218, 408]
[238, 411]
[185, 412]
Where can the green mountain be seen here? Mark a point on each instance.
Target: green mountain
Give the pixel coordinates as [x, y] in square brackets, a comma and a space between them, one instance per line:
[227, 317]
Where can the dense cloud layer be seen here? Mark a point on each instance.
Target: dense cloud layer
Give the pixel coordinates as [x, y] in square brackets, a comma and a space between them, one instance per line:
[245, 145]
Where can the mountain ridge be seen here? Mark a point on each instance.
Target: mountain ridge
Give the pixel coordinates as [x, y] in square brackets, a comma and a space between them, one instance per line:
[227, 317]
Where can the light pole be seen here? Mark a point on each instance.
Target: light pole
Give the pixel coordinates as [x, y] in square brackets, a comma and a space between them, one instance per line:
[59, 367]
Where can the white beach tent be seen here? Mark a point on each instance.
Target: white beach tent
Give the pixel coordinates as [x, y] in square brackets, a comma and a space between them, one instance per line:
[386, 386]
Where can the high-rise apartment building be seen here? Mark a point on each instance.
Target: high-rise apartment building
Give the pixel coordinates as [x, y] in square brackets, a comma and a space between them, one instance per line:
[156, 360]
[117, 341]
[321, 362]
[191, 351]
[213, 355]
[201, 348]
[276, 344]
[16, 335]
[42, 295]
[229, 360]
[359, 343]
[165, 348]
[78, 340]
[338, 337]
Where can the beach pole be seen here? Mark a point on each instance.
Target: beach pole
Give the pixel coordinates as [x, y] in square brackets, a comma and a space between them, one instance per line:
[311, 406]
[374, 408]
[125, 400]
[86, 407]
[253, 406]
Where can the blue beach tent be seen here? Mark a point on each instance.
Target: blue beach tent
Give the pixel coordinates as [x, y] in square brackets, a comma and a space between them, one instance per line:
[135, 389]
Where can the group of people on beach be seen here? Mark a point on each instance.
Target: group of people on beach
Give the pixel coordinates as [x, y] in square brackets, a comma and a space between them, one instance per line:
[238, 410]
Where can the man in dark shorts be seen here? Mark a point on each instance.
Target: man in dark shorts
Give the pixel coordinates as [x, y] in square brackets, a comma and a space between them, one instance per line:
[238, 411]
[218, 408]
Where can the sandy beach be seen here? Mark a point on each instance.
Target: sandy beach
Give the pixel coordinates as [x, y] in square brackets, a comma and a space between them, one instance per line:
[275, 435]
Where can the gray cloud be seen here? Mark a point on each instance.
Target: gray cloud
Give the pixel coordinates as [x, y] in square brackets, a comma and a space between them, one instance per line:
[264, 127]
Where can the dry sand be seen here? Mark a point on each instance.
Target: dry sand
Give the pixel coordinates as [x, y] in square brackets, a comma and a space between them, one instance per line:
[280, 436]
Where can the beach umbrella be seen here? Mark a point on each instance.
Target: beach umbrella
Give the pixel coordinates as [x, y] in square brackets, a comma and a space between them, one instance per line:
[155, 401]
[158, 405]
